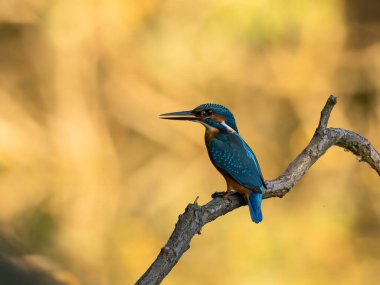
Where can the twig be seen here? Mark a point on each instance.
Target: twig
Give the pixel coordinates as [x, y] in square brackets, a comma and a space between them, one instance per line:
[195, 217]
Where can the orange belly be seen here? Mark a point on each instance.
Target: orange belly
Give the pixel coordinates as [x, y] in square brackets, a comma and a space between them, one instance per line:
[233, 185]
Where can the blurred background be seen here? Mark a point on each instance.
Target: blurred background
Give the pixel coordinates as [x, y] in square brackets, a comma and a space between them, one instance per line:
[92, 182]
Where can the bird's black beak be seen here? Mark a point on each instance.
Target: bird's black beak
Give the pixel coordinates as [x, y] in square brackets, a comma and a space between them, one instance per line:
[183, 115]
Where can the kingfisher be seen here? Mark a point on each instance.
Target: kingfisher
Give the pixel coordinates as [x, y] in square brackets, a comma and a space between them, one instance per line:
[229, 153]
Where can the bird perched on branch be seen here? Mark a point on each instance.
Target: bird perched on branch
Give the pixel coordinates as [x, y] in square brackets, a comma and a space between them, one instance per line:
[229, 153]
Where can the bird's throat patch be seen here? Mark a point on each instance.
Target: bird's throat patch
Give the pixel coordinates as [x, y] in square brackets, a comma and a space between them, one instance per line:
[211, 133]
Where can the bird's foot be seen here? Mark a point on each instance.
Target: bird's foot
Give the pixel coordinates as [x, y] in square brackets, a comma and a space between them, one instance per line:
[224, 195]
[228, 195]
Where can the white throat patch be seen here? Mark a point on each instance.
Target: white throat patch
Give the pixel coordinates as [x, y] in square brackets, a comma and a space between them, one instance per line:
[229, 129]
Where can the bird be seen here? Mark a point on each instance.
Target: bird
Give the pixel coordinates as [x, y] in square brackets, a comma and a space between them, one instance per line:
[229, 153]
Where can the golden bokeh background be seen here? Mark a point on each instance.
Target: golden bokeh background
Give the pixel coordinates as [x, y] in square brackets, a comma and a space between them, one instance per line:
[92, 182]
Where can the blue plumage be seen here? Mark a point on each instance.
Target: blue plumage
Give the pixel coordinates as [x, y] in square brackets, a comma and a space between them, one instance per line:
[229, 153]
[233, 158]
[254, 204]
[221, 111]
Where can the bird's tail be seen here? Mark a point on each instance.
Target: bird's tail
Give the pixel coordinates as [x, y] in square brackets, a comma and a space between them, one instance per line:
[254, 204]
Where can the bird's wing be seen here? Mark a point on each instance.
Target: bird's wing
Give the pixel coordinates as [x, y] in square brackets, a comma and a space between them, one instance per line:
[253, 156]
[234, 157]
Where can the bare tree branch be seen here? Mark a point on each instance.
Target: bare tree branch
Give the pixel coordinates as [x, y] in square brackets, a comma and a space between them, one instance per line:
[195, 217]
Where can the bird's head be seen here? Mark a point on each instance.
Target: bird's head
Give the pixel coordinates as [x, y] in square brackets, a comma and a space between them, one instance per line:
[210, 115]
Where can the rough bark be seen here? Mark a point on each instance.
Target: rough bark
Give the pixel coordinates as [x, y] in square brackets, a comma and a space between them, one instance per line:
[195, 217]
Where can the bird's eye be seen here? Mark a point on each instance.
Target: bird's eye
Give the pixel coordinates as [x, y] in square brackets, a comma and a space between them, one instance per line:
[207, 112]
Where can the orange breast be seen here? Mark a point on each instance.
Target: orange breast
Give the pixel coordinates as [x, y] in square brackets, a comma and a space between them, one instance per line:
[233, 185]
[210, 134]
